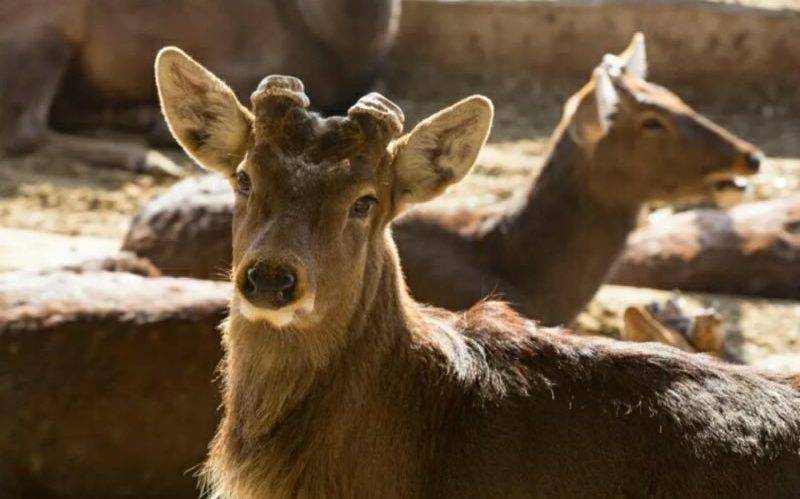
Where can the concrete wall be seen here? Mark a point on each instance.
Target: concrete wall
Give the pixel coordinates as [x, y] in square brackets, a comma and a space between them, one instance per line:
[703, 43]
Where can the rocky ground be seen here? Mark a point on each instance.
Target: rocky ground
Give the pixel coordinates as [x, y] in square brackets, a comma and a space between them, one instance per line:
[53, 211]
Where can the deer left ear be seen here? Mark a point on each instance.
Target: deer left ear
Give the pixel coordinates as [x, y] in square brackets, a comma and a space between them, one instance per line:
[593, 116]
[203, 114]
[441, 150]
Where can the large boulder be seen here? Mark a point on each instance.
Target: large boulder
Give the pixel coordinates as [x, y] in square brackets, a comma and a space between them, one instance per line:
[106, 383]
[751, 249]
[187, 230]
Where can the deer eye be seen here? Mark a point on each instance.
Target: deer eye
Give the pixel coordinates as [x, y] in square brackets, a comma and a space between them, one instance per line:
[362, 206]
[243, 185]
[652, 124]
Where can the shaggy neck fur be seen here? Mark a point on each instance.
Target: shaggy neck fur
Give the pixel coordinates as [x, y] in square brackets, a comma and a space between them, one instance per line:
[542, 239]
[291, 398]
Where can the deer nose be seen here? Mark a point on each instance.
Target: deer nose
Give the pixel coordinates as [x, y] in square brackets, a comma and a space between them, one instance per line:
[274, 286]
[753, 161]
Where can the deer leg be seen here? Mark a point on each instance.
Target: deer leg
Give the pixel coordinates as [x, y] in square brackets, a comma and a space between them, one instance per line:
[108, 153]
[32, 65]
[31, 68]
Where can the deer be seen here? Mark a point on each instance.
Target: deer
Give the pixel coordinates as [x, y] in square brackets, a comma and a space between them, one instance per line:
[336, 382]
[622, 142]
[73, 55]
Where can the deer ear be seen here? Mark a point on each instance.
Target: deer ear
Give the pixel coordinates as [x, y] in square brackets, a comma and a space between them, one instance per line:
[593, 117]
[440, 150]
[634, 58]
[203, 114]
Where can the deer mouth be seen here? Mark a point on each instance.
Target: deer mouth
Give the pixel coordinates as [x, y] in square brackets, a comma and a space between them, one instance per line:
[726, 188]
[297, 312]
[732, 183]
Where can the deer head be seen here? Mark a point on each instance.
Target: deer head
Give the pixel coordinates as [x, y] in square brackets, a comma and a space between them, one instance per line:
[649, 144]
[313, 195]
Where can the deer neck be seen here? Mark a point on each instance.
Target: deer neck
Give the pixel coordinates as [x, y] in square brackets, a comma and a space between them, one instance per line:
[301, 421]
[559, 237]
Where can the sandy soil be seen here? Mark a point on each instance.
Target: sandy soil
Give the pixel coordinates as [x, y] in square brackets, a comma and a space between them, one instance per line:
[67, 197]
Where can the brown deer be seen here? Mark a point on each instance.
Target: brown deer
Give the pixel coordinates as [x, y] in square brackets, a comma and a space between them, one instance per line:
[338, 383]
[622, 142]
[101, 51]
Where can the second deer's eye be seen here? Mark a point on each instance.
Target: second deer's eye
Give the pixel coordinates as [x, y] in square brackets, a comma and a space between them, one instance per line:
[362, 206]
[652, 124]
[243, 185]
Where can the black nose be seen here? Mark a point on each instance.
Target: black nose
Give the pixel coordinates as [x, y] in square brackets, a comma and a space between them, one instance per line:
[753, 161]
[269, 285]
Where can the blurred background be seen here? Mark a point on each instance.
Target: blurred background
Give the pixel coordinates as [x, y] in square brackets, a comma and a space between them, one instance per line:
[88, 331]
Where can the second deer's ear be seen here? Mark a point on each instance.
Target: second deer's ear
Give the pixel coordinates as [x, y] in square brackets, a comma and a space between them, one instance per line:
[440, 150]
[594, 113]
[635, 57]
[202, 112]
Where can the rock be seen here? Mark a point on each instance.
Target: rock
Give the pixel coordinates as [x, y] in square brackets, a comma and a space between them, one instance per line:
[106, 383]
[751, 249]
[187, 230]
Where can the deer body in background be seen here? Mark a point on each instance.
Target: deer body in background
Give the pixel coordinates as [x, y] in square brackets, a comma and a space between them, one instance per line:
[622, 142]
[337, 383]
[100, 52]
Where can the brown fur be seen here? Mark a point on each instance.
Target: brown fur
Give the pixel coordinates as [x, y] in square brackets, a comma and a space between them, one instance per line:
[572, 220]
[74, 55]
[370, 394]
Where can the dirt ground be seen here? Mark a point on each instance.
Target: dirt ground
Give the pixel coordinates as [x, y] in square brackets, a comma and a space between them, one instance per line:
[47, 196]
[68, 197]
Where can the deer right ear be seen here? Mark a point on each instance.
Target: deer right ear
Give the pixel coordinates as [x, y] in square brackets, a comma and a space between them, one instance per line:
[440, 150]
[592, 118]
[202, 112]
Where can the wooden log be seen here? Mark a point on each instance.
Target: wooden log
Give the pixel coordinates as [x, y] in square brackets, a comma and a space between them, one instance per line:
[751, 249]
[106, 383]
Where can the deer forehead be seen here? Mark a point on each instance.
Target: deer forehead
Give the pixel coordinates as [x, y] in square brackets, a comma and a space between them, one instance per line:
[303, 133]
[304, 142]
[292, 175]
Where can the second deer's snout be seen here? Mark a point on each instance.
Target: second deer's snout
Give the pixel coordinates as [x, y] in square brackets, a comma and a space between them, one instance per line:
[753, 160]
[268, 285]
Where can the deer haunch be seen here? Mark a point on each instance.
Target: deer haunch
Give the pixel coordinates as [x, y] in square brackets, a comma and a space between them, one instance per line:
[337, 383]
[97, 53]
